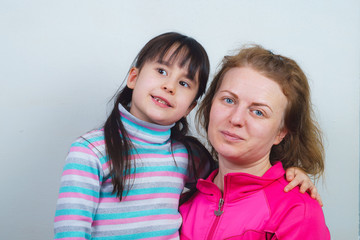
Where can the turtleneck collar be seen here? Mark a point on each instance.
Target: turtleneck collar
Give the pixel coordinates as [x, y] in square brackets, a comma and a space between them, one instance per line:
[239, 185]
[144, 131]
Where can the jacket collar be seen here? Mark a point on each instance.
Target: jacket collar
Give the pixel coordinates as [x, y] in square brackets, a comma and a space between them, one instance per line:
[239, 185]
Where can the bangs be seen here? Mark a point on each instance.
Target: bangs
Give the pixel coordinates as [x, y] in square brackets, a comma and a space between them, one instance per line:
[182, 56]
[184, 53]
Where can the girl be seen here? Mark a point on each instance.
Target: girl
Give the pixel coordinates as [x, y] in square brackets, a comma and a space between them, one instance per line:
[123, 181]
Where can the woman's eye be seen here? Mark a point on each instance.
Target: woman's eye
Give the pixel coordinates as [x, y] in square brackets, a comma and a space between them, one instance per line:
[162, 71]
[229, 100]
[258, 113]
[185, 84]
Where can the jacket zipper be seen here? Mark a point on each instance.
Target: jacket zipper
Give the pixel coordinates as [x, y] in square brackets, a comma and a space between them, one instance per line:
[218, 214]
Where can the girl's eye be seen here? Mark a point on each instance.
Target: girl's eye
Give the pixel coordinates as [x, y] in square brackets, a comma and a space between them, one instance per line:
[229, 100]
[185, 84]
[162, 71]
[258, 113]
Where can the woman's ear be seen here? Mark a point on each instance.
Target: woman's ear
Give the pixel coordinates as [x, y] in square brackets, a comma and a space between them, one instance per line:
[132, 77]
[281, 135]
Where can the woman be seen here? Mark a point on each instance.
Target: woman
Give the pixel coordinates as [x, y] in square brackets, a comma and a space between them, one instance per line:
[257, 114]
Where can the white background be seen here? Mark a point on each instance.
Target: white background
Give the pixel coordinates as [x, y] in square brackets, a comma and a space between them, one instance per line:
[62, 61]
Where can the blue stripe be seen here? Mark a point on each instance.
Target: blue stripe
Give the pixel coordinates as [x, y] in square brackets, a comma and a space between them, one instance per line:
[70, 211]
[71, 166]
[146, 130]
[149, 144]
[93, 139]
[71, 234]
[134, 192]
[159, 151]
[176, 169]
[104, 159]
[123, 215]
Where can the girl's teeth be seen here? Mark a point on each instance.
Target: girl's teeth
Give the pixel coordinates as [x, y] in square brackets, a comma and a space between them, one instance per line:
[160, 101]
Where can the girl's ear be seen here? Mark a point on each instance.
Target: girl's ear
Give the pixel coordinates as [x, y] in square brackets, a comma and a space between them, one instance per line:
[191, 107]
[132, 77]
[282, 133]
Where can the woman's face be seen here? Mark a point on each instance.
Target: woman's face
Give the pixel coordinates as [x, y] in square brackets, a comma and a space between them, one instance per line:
[246, 117]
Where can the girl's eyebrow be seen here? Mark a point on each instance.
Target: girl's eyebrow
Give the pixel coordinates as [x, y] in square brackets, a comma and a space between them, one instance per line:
[168, 64]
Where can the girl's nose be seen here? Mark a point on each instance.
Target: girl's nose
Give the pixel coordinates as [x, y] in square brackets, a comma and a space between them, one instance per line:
[169, 86]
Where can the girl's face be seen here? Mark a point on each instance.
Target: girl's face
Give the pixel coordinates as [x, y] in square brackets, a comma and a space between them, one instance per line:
[246, 117]
[162, 91]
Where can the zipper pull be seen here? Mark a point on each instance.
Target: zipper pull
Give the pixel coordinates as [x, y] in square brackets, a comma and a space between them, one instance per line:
[219, 212]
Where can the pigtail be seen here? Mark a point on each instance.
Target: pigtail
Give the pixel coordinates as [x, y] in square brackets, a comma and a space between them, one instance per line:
[201, 163]
[118, 146]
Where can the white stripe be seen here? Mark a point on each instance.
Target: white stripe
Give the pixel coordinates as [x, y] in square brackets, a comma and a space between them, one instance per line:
[136, 225]
[70, 200]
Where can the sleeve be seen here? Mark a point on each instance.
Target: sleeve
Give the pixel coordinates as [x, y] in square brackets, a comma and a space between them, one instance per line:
[303, 221]
[79, 194]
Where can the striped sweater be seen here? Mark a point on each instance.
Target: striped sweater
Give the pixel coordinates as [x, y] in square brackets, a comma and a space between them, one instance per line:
[86, 208]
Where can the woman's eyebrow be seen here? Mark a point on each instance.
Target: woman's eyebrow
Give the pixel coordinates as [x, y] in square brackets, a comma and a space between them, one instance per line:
[262, 105]
[229, 92]
[259, 104]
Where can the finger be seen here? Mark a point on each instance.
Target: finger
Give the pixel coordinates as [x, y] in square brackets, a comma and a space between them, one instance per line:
[291, 185]
[290, 174]
[315, 195]
[313, 192]
[318, 198]
[304, 187]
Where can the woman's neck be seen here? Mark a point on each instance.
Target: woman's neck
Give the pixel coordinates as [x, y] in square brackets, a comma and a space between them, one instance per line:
[257, 168]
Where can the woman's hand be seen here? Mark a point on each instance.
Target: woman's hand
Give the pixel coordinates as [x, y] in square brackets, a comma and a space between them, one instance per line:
[296, 177]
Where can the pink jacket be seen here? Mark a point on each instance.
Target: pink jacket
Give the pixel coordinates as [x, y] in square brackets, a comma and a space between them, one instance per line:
[252, 208]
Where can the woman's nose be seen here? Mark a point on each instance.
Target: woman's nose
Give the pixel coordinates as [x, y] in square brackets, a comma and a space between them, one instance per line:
[238, 117]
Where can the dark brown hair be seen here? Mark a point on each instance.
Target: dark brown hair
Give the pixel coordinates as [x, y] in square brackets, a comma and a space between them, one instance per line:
[302, 147]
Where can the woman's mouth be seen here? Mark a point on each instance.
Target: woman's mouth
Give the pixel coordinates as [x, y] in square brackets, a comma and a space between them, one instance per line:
[231, 136]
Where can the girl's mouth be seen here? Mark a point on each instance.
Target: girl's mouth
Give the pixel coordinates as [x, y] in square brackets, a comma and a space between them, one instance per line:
[161, 100]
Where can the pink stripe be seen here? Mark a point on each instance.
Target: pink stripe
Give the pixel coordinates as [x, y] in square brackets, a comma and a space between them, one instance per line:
[106, 165]
[155, 129]
[96, 144]
[165, 237]
[141, 140]
[78, 195]
[154, 155]
[142, 197]
[153, 174]
[83, 150]
[80, 173]
[72, 217]
[71, 238]
[159, 174]
[135, 219]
